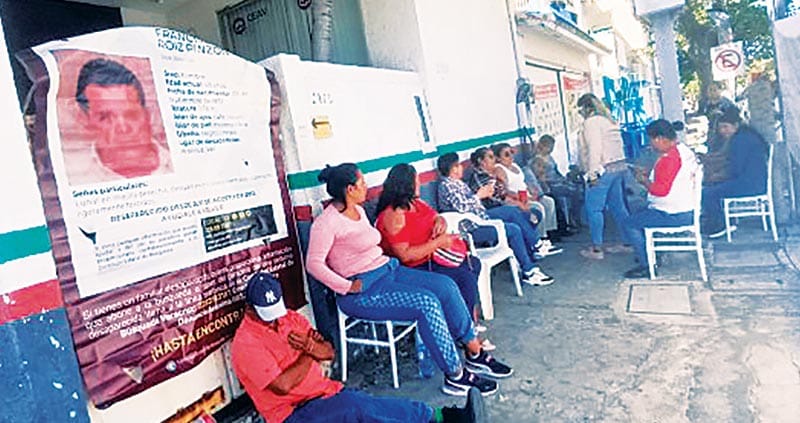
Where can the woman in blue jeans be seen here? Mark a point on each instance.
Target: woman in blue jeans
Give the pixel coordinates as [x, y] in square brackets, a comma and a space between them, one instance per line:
[602, 158]
[344, 254]
[453, 194]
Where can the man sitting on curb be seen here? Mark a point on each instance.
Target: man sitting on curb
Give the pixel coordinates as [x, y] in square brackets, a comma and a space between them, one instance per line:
[276, 355]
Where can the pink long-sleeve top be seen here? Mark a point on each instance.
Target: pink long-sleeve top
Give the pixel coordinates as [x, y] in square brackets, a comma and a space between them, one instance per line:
[340, 247]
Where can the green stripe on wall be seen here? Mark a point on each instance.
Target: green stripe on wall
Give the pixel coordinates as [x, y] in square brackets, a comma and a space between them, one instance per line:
[27, 242]
[308, 179]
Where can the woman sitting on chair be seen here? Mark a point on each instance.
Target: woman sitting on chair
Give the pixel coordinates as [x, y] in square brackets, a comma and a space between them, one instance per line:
[412, 231]
[344, 254]
[670, 192]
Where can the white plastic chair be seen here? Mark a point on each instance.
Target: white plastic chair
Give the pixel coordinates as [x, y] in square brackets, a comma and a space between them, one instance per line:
[679, 238]
[346, 323]
[489, 257]
[754, 205]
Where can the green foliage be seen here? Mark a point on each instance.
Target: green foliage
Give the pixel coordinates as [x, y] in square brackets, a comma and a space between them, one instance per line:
[697, 34]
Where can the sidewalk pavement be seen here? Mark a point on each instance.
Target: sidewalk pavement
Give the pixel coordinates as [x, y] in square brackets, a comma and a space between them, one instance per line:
[594, 347]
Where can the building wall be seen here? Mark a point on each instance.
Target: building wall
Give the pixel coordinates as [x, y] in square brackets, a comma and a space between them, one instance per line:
[469, 75]
[392, 32]
[134, 17]
[199, 17]
[540, 48]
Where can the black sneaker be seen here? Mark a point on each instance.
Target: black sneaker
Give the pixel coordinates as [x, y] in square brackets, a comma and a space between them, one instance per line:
[486, 365]
[460, 387]
[473, 411]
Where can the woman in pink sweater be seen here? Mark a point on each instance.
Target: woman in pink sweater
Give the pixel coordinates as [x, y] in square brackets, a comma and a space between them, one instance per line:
[344, 253]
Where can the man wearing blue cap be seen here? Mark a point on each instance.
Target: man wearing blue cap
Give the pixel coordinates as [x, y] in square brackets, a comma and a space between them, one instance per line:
[276, 355]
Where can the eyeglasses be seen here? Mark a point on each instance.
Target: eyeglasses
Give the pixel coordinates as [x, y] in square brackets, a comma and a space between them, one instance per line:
[507, 154]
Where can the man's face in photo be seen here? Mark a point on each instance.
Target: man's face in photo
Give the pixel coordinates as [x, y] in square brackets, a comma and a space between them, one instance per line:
[121, 122]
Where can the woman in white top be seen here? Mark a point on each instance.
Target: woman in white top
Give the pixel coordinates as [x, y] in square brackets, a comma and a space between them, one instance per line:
[541, 206]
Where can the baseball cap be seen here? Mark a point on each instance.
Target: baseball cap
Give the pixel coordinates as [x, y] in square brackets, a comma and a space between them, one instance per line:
[264, 293]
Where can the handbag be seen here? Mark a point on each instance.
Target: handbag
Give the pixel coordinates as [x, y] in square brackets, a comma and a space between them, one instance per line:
[453, 256]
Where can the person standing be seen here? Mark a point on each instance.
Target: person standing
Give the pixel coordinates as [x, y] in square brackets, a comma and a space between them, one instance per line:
[602, 159]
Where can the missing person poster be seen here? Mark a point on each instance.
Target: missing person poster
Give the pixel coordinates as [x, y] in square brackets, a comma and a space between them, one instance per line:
[164, 191]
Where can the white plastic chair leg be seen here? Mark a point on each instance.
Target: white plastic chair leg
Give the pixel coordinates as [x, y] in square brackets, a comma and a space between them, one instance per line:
[485, 292]
[393, 354]
[772, 222]
[701, 260]
[650, 248]
[514, 265]
[375, 337]
[727, 223]
[343, 344]
[762, 208]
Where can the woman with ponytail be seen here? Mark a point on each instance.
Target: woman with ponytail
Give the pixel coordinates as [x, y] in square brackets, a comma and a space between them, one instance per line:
[344, 253]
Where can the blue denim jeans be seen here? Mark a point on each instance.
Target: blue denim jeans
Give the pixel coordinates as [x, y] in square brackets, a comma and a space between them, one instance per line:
[606, 191]
[511, 214]
[353, 406]
[465, 276]
[651, 218]
[397, 292]
[713, 215]
[487, 235]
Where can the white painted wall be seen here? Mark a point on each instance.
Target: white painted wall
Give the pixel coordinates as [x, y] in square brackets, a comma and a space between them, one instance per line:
[199, 17]
[541, 48]
[469, 71]
[134, 17]
[392, 34]
[463, 53]
[371, 111]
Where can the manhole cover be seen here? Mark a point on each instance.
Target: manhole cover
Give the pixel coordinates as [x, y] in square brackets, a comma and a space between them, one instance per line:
[659, 299]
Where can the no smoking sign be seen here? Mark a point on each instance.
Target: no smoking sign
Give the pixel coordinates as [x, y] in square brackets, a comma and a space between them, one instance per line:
[727, 60]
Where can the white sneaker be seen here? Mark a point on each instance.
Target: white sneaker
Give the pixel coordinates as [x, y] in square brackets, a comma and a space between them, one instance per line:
[480, 328]
[722, 233]
[546, 248]
[536, 277]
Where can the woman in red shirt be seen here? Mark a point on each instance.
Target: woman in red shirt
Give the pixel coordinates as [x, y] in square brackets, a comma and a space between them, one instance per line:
[411, 231]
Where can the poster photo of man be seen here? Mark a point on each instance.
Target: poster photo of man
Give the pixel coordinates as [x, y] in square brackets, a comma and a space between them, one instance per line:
[109, 119]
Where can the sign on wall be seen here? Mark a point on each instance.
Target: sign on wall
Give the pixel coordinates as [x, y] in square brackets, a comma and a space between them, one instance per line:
[163, 191]
[727, 60]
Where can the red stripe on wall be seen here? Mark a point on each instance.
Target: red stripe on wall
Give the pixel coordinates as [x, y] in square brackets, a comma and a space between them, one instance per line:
[34, 299]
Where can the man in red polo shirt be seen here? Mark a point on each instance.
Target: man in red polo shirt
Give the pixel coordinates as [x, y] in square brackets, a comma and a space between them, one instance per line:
[276, 355]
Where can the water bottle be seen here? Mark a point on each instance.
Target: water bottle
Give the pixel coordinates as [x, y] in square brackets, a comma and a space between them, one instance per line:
[426, 365]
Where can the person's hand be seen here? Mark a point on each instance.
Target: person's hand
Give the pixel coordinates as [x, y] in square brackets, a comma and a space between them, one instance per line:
[309, 343]
[445, 240]
[641, 175]
[355, 287]
[485, 191]
[439, 227]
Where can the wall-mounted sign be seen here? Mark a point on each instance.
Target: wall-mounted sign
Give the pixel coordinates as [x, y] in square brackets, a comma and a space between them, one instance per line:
[164, 190]
[321, 126]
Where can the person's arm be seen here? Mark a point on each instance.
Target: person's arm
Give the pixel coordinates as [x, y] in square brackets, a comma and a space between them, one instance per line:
[593, 131]
[392, 225]
[319, 246]
[312, 343]
[292, 376]
[665, 171]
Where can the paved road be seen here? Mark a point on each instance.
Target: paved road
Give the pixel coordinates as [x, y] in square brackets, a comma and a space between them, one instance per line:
[594, 347]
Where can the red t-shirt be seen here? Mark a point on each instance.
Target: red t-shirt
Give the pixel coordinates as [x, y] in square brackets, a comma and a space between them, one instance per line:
[260, 354]
[416, 231]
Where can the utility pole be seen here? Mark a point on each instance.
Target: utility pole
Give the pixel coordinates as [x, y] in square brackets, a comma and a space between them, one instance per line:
[662, 15]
